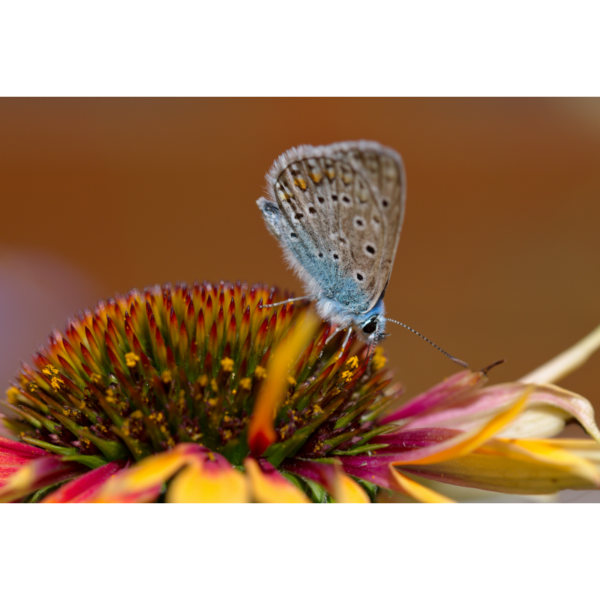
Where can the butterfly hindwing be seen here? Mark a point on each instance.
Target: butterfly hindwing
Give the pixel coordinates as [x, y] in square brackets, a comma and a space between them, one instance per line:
[337, 211]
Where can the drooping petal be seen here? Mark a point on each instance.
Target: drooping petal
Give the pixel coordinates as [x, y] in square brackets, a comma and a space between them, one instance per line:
[206, 480]
[268, 485]
[331, 477]
[85, 486]
[261, 433]
[520, 467]
[37, 474]
[566, 362]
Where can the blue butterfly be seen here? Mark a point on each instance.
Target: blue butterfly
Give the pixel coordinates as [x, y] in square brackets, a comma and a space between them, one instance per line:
[337, 212]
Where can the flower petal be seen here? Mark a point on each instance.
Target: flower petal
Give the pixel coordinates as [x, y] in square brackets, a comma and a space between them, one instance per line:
[331, 477]
[566, 362]
[519, 467]
[207, 480]
[268, 485]
[442, 394]
[466, 442]
[84, 487]
[416, 490]
[38, 473]
[14, 455]
[478, 406]
[143, 482]
[261, 433]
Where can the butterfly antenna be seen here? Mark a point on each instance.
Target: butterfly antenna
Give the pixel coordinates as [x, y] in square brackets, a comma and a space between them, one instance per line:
[462, 363]
[287, 301]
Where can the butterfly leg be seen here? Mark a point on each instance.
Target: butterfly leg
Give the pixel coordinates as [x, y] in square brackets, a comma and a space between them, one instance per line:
[346, 339]
[288, 301]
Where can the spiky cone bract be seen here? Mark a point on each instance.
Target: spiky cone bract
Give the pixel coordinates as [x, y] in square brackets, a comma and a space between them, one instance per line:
[203, 394]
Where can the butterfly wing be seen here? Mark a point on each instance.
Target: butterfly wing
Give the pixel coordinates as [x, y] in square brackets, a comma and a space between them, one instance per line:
[337, 211]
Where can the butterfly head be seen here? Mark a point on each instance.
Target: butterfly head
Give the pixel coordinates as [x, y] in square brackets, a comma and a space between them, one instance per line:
[373, 328]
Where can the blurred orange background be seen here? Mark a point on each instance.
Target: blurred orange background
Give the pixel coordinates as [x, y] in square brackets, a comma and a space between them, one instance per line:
[499, 256]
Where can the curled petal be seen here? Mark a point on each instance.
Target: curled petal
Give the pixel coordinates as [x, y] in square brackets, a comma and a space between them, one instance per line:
[477, 407]
[85, 486]
[261, 433]
[269, 486]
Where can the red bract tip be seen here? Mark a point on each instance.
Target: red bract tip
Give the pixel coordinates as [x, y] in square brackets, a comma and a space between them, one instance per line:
[149, 312]
[231, 310]
[173, 319]
[191, 310]
[261, 334]
[231, 330]
[246, 317]
[91, 341]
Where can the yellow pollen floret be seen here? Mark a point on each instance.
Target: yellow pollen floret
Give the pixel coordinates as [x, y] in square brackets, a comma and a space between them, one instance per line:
[96, 378]
[227, 365]
[379, 359]
[56, 383]
[260, 372]
[203, 380]
[353, 362]
[347, 375]
[166, 376]
[246, 383]
[131, 358]
[291, 381]
[49, 370]
[213, 385]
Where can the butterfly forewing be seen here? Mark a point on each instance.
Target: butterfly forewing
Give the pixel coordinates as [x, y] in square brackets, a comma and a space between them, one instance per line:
[343, 207]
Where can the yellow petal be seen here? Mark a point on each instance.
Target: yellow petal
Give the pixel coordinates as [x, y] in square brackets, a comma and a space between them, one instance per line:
[271, 487]
[551, 452]
[348, 491]
[511, 468]
[200, 483]
[147, 474]
[416, 490]
[261, 433]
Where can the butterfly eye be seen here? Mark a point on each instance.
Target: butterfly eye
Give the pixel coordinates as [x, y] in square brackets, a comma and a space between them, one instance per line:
[370, 327]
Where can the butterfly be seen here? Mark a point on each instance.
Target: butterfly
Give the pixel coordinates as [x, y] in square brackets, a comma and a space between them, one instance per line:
[337, 212]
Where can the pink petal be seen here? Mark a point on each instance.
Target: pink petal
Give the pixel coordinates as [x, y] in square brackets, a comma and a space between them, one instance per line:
[83, 487]
[442, 394]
